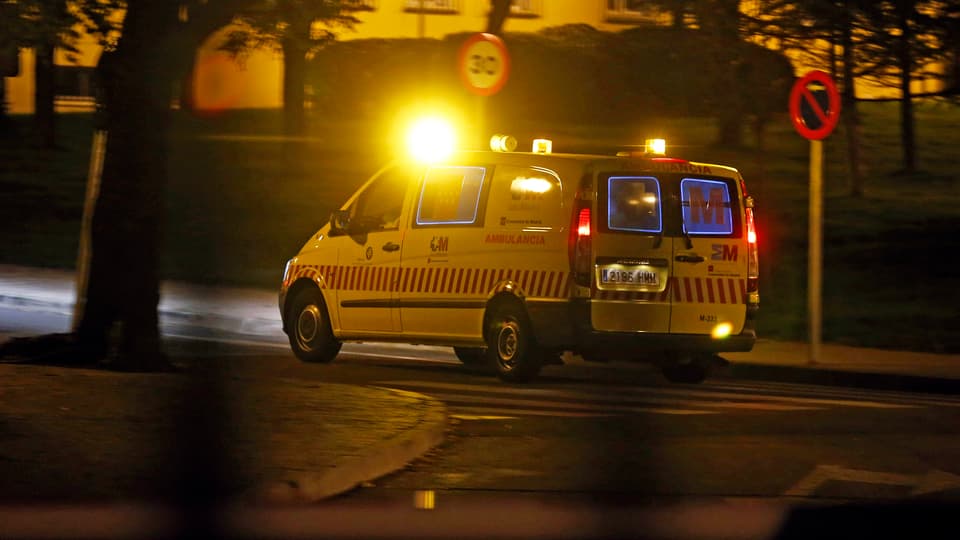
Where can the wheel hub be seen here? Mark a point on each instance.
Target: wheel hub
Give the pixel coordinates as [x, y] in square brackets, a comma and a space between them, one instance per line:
[308, 324]
[507, 344]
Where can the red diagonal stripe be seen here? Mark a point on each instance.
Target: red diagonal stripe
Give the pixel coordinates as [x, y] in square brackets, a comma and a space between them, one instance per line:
[814, 104]
[422, 272]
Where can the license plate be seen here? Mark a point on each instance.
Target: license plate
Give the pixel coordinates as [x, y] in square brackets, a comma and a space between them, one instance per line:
[622, 276]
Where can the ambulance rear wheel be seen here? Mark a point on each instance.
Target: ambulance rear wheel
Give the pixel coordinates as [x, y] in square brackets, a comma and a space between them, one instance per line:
[471, 356]
[511, 347]
[688, 370]
[311, 336]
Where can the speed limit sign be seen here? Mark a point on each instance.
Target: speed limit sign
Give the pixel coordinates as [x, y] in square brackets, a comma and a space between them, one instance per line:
[484, 64]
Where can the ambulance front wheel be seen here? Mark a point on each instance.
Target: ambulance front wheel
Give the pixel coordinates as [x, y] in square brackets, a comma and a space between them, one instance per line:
[311, 336]
[511, 347]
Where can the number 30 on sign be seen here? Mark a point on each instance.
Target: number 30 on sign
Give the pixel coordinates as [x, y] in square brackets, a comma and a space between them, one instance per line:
[484, 64]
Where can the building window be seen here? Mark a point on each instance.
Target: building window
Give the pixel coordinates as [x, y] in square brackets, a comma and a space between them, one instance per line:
[432, 6]
[526, 8]
[635, 12]
[360, 5]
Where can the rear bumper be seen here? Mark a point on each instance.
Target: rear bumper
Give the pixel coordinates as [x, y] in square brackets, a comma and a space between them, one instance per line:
[567, 326]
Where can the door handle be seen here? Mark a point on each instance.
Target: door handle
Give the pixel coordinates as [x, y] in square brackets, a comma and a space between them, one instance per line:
[390, 246]
[689, 258]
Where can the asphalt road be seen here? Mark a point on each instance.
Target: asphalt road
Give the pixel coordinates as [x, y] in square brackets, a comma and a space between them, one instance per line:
[587, 431]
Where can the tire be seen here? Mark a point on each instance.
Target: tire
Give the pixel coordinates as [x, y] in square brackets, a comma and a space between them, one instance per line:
[512, 350]
[311, 336]
[471, 356]
[688, 371]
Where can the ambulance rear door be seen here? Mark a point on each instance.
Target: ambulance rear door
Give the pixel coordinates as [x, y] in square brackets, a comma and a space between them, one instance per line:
[709, 259]
[633, 258]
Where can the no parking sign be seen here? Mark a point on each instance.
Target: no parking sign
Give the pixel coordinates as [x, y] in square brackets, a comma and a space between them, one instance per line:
[815, 110]
[814, 105]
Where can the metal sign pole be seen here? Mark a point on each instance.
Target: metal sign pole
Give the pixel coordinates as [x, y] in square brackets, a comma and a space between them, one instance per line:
[815, 257]
[97, 150]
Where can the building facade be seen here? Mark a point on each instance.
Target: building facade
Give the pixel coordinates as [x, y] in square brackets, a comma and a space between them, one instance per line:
[220, 81]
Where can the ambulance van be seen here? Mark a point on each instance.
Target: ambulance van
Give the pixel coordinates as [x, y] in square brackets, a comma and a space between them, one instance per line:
[515, 258]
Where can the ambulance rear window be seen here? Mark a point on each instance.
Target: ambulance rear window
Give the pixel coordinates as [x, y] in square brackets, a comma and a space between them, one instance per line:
[450, 195]
[634, 204]
[706, 207]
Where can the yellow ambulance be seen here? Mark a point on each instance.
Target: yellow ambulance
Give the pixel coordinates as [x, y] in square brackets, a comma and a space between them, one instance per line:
[513, 258]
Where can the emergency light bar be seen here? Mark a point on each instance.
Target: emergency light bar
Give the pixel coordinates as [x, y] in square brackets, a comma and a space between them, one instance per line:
[656, 146]
[503, 143]
[542, 146]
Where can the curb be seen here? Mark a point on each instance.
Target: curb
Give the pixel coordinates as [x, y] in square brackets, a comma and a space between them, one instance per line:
[842, 378]
[386, 458]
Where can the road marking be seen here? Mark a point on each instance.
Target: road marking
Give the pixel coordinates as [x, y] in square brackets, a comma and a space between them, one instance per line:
[493, 413]
[401, 357]
[892, 396]
[790, 399]
[230, 341]
[609, 404]
[648, 395]
[932, 481]
[480, 416]
[560, 405]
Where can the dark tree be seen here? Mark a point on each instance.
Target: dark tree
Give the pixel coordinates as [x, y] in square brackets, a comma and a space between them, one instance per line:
[796, 26]
[910, 36]
[296, 28]
[44, 26]
[721, 19]
[499, 11]
[157, 41]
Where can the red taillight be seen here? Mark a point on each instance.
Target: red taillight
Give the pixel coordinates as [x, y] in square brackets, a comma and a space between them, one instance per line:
[751, 227]
[583, 223]
[581, 245]
[753, 257]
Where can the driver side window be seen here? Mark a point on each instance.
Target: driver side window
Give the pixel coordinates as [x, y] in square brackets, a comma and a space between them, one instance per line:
[379, 206]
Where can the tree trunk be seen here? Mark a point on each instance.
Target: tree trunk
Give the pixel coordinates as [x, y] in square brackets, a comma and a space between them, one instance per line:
[849, 113]
[721, 19]
[905, 61]
[123, 288]
[499, 11]
[6, 124]
[294, 77]
[44, 95]
[676, 17]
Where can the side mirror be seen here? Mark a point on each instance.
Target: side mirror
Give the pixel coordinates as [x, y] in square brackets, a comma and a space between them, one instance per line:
[339, 222]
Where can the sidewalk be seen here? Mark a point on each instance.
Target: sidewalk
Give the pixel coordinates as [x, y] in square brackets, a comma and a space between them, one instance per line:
[69, 433]
[74, 434]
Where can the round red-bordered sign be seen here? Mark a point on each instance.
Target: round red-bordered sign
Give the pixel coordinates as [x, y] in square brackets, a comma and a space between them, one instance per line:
[484, 64]
[811, 117]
